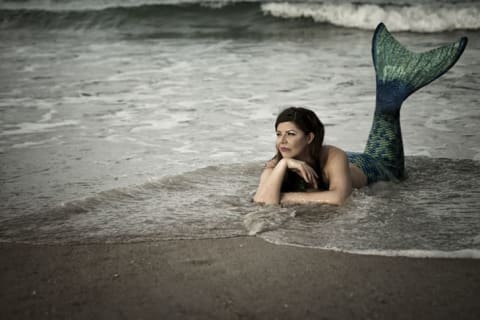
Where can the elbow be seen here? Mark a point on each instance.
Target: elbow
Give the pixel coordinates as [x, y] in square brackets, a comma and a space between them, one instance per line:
[341, 197]
[338, 201]
[334, 201]
[259, 199]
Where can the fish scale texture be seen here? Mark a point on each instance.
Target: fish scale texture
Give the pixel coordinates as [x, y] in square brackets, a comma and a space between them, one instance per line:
[399, 73]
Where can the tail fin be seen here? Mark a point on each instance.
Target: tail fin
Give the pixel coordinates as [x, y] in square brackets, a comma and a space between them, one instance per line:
[401, 72]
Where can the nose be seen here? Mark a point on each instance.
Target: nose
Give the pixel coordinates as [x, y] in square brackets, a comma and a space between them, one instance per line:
[283, 139]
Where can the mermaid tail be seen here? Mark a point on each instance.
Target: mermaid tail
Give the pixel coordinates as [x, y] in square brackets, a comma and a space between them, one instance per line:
[399, 73]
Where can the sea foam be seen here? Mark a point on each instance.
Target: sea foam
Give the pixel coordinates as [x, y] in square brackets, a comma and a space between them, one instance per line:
[417, 18]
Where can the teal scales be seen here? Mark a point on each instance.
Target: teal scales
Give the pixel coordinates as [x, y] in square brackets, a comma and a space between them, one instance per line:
[399, 73]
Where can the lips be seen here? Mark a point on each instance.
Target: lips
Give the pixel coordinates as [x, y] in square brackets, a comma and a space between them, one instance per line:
[284, 149]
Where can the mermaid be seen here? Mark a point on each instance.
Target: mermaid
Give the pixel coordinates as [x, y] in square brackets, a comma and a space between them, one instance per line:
[304, 170]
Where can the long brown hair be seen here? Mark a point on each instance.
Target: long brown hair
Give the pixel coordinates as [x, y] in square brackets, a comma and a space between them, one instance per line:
[307, 121]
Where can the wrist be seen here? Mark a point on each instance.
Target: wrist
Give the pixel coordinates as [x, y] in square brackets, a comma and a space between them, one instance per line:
[285, 198]
[283, 163]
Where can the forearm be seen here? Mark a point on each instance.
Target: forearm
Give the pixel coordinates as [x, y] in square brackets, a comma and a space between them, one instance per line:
[332, 197]
[268, 191]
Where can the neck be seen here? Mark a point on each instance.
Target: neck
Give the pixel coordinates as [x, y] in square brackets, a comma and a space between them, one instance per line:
[305, 156]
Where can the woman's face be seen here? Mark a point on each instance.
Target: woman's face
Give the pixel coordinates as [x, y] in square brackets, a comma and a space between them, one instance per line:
[292, 141]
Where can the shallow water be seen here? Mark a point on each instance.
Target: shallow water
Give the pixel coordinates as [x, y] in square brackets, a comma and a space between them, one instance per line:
[435, 209]
[433, 212]
[110, 132]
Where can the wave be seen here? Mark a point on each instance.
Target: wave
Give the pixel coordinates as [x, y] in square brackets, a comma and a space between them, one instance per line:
[193, 205]
[436, 254]
[197, 17]
[63, 6]
[417, 18]
[434, 213]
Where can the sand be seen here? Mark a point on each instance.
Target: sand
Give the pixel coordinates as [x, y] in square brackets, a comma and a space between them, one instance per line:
[236, 278]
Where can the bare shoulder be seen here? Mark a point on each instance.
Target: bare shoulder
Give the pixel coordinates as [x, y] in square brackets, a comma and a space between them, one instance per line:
[337, 171]
[332, 155]
[334, 161]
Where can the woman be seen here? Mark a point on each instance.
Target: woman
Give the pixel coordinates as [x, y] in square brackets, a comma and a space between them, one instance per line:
[306, 171]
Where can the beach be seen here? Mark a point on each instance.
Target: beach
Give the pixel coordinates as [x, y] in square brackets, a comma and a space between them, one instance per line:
[133, 135]
[152, 121]
[233, 278]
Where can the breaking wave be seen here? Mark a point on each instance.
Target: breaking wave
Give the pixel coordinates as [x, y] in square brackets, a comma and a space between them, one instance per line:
[253, 17]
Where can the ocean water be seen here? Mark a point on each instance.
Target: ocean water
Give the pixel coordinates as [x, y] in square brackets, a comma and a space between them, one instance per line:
[143, 120]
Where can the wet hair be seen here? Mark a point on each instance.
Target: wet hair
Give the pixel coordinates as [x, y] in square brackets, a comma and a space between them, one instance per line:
[307, 121]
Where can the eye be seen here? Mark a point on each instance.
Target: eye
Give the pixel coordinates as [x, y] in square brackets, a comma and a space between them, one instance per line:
[291, 133]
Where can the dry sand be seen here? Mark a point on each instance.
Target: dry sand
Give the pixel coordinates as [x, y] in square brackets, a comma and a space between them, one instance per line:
[237, 278]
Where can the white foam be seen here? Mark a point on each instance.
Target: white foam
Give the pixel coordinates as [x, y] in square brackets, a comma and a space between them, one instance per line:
[420, 151]
[476, 239]
[266, 219]
[47, 116]
[28, 127]
[187, 147]
[163, 124]
[457, 254]
[417, 18]
[28, 144]
[476, 157]
[79, 5]
[222, 155]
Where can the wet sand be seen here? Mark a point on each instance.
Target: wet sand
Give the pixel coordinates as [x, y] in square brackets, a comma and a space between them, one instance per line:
[237, 278]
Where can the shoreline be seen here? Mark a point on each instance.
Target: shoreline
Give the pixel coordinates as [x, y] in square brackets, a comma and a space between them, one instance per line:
[230, 278]
[403, 253]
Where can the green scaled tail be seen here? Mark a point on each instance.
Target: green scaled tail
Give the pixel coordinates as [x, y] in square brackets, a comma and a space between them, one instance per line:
[399, 73]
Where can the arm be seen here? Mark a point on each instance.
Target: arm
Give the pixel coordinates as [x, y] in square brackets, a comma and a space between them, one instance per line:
[268, 191]
[337, 171]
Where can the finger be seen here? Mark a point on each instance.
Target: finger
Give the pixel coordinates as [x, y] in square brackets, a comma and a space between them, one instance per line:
[311, 173]
[314, 173]
[313, 178]
[314, 183]
[304, 174]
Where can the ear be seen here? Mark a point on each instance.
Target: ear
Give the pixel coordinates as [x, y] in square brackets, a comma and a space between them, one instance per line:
[310, 137]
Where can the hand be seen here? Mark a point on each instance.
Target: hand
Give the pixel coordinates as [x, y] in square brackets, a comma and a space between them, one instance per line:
[303, 170]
